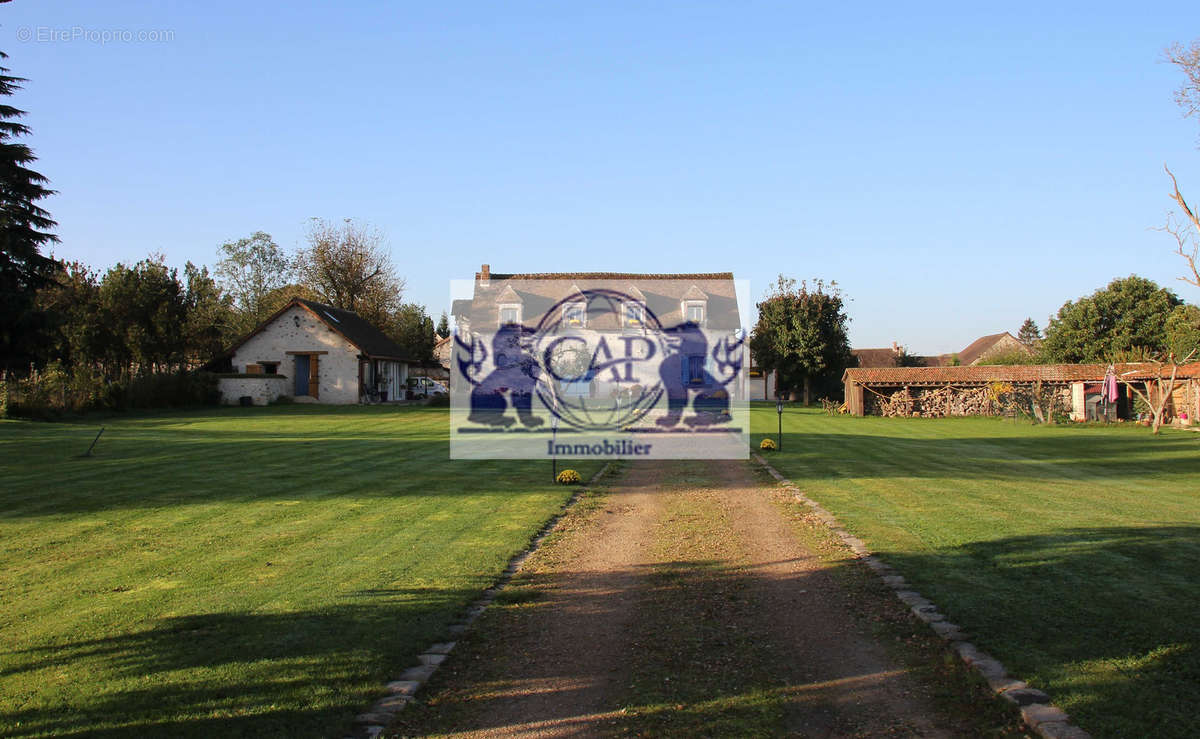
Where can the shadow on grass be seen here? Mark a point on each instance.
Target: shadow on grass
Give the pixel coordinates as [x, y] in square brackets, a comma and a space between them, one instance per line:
[1104, 618]
[182, 460]
[1049, 606]
[1066, 456]
[230, 674]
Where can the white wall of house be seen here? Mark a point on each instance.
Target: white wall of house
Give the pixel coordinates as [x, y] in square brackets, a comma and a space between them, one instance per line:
[261, 390]
[297, 330]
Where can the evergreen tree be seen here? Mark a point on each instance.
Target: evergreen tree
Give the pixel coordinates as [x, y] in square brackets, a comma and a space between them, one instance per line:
[1029, 334]
[443, 327]
[24, 230]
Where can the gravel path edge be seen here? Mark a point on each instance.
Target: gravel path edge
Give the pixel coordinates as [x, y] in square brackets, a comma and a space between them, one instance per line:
[1038, 713]
[372, 722]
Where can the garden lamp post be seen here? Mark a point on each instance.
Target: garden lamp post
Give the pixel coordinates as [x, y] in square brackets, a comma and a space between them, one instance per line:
[779, 411]
[553, 454]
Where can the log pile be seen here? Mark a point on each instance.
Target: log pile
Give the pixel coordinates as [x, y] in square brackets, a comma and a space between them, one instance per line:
[939, 402]
[997, 399]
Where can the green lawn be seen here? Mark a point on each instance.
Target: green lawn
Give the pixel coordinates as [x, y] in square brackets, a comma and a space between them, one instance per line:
[1071, 552]
[255, 571]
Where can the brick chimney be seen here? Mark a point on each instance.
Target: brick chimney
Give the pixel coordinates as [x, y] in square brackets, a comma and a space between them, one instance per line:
[484, 275]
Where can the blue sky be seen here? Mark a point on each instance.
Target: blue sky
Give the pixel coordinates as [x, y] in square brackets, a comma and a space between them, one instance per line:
[954, 169]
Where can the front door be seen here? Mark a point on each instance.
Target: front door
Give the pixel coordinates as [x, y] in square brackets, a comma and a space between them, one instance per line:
[302, 367]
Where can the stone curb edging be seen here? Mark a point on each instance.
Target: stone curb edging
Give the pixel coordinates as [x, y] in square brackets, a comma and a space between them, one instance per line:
[1037, 712]
[375, 719]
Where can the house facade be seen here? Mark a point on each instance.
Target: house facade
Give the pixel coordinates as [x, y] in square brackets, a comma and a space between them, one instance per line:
[641, 303]
[328, 355]
[625, 363]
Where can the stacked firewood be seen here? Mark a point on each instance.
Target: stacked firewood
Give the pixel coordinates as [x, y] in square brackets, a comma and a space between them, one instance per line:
[939, 402]
[952, 401]
[899, 403]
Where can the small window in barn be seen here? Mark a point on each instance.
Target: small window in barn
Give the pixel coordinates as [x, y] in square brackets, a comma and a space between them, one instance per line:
[270, 368]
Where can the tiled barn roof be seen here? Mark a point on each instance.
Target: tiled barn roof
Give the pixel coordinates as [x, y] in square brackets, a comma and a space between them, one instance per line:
[982, 374]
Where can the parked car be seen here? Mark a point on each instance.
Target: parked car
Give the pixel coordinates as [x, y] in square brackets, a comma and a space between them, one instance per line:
[426, 387]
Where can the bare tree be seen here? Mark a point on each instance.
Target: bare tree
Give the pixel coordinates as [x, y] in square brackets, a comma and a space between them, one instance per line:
[349, 266]
[1158, 389]
[1187, 58]
[1185, 228]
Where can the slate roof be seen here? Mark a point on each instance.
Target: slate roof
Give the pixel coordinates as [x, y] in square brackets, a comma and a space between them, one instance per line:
[661, 294]
[354, 328]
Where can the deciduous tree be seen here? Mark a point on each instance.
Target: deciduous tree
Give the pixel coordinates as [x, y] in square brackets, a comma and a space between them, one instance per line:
[1184, 226]
[412, 328]
[348, 266]
[801, 334]
[210, 322]
[249, 271]
[1128, 314]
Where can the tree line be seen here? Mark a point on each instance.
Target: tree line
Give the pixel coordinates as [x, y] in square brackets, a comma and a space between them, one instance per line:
[90, 329]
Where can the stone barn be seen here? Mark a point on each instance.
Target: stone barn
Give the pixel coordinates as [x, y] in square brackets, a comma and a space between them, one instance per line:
[328, 355]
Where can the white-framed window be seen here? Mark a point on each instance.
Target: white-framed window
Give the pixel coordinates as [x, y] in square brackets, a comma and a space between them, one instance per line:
[510, 313]
[694, 312]
[575, 314]
[635, 315]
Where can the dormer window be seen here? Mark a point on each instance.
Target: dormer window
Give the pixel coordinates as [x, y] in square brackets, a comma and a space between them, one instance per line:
[635, 315]
[510, 313]
[574, 315]
[694, 311]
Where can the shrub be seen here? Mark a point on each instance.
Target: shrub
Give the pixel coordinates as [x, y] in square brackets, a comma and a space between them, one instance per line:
[55, 391]
[767, 445]
[568, 477]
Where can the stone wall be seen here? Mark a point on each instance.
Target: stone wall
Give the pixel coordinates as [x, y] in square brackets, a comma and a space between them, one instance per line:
[263, 390]
[297, 330]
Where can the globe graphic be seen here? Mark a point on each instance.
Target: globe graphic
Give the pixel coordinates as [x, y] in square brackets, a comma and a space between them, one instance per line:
[581, 395]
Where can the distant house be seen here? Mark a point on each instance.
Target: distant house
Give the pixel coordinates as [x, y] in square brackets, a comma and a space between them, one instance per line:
[977, 352]
[761, 384]
[328, 355]
[878, 357]
[983, 349]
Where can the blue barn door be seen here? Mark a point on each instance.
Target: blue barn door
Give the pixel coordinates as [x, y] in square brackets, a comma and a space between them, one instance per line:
[302, 367]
